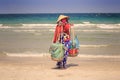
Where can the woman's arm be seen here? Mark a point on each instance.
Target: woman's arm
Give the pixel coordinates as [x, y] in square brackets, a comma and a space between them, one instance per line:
[55, 35]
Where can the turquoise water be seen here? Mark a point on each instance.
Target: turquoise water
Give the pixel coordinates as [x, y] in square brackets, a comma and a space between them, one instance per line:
[99, 34]
[103, 18]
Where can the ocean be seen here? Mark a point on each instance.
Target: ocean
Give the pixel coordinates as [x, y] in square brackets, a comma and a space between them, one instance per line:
[98, 33]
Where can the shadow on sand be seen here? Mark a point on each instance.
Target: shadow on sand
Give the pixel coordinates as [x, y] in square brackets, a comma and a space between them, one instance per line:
[67, 66]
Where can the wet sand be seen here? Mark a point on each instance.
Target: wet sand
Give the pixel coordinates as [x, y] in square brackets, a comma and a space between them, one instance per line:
[43, 68]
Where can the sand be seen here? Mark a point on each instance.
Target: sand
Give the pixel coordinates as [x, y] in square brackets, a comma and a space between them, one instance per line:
[43, 68]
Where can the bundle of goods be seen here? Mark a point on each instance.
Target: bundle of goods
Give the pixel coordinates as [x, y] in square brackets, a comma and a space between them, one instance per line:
[57, 51]
[74, 47]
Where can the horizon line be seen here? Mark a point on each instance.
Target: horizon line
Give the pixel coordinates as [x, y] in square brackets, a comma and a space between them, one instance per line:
[66, 13]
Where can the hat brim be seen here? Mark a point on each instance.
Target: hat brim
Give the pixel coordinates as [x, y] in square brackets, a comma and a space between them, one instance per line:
[62, 17]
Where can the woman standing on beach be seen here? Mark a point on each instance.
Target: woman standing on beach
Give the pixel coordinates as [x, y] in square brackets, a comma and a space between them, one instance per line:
[62, 35]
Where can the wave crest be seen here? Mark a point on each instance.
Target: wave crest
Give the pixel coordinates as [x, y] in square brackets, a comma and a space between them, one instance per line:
[84, 25]
[99, 56]
[48, 55]
[93, 46]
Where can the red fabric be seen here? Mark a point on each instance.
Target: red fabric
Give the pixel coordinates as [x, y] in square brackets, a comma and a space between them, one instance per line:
[73, 51]
[59, 29]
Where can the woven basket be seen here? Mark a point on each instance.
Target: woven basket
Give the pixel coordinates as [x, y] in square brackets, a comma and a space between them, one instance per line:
[73, 52]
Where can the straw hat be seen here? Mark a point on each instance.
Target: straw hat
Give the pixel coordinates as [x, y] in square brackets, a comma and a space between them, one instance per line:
[62, 17]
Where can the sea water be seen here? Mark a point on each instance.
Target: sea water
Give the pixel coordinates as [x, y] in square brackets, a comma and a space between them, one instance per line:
[98, 33]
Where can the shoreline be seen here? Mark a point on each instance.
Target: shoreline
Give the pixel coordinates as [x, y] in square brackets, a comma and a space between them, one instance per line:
[37, 68]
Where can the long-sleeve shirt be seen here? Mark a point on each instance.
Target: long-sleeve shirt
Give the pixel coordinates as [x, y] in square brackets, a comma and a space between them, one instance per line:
[59, 30]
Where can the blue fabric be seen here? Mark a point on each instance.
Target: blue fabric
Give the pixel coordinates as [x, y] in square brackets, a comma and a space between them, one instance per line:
[67, 45]
[74, 43]
[77, 42]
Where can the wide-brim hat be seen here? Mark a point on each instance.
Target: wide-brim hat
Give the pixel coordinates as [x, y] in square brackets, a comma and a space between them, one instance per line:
[62, 17]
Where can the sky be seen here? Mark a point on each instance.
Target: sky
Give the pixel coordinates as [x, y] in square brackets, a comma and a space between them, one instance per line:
[59, 6]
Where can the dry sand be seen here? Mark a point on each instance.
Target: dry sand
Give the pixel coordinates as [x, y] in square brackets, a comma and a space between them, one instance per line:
[43, 68]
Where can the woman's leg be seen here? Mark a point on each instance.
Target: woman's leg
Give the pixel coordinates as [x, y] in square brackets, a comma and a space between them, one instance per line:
[66, 54]
[59, 64]
[64, 61]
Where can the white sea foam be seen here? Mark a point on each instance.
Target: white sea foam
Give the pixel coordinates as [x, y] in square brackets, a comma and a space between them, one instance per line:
[84, 25]
[86, 22]
[52, 26]
[34, 54]
[118, 24]
[108, 26]
[30, 26]
[93, 46]
[102, 26]
[52, 30]
[98, 56]
[37, 25]
[5, 27]
[25, 30]
[0, 25]
[27, 54]
[97, 30]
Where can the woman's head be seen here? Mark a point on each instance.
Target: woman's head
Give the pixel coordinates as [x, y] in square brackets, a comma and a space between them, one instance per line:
[63, 18]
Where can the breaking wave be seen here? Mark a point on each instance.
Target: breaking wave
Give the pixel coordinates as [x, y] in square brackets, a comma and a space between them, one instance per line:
[93, 46]
[99, 56]
[85, 24]
[83, 27]
[30, 54]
